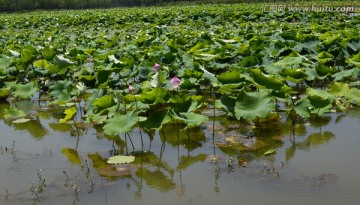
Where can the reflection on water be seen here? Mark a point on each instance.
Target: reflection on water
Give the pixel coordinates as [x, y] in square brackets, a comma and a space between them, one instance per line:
[45, 162]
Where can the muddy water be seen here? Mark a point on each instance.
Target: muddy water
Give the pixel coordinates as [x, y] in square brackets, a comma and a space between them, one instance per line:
[315, 162]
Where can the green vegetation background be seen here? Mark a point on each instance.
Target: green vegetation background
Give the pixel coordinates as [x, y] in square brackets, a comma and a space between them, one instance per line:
[26, 5]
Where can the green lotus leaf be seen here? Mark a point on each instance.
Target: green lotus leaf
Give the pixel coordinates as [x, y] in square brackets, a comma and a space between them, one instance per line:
[121, 159]
[228, 103]
[59, 86]
[293, 75]
[4, 92]
[324, 57]
[13, 112]
[354, 60]
[231, 77]
[120, 123]
[352, 73]
[27, 56]
[41, 64]
[252, 105]
[5, 61]
[353, 95]
[324, 95]
[103, 102]
[288, 61]
[156, 95]
[62, 62]
[71, 154]
[301, 107]
[323, 70]
[192, 119]
[69, 114]
[156, 120]
[338, 89]
[25, 91]
[21, 120]
[267, 81]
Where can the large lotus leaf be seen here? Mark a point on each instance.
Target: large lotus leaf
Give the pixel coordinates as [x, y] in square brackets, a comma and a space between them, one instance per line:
[62, 62]
[324, 57]
[353, 95]
[156, 95]
[354, 60]
[323, 70]
[267, 81]
[192, 119]
[156, 179]
[231, 77]
[156, 120]
[293, 75]
[41, 64]
[228, 103]
[338, 89]
[120, 123]
[187, 161]
[352, 73]
[13, 112]
[71, 154]
[69, 114]
[301, 107]
[121, 159]
[105, 101]
[27, 56]
[59, 86]
[321, 94]
[252, 105]
[25, 91]
[4, 61]
[289, 61]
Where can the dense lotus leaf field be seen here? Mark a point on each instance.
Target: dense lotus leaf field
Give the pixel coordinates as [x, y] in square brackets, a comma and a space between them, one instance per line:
[147, 67]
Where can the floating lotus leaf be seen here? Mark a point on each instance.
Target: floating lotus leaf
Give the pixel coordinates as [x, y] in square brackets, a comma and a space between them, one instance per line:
[270, 152]
[21, 120]
[242, 143]
[252, 105]
[25, 91]
[121, 159]
[120, 123]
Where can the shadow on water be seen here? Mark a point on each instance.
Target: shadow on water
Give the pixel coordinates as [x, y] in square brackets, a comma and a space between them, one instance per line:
[172, 160]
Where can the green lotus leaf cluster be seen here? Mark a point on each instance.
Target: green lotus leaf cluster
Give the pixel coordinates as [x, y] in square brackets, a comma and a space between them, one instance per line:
[242, 60]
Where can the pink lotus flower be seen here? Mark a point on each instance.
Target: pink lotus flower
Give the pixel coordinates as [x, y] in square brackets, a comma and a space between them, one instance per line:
[175, 82]
[156, 67]
[132, 89]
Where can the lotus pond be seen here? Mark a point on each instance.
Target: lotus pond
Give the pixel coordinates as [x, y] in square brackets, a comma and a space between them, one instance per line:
[188, 105]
